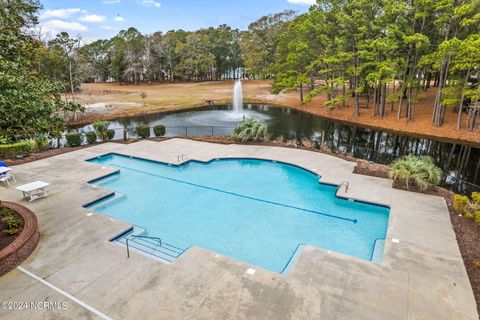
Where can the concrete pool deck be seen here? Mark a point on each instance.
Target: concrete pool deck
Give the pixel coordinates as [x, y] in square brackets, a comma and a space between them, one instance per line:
[422, 275]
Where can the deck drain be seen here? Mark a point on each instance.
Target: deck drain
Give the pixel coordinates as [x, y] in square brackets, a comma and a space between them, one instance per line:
[251, 271]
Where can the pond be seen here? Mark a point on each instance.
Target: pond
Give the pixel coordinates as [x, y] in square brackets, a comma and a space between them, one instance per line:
[459, 162]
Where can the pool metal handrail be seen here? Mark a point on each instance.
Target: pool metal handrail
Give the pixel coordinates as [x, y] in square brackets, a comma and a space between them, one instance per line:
[141, 237]
[346, 183]
[181, 156]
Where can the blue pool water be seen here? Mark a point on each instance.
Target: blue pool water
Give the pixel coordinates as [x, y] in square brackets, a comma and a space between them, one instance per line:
[252, 210]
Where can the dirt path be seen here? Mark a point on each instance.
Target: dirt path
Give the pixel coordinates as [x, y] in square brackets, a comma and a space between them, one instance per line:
[123, 100]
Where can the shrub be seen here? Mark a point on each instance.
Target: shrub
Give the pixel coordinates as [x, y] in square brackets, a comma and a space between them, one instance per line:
[143, 131]
[420, 171]
[101, 128]
[5, 212]
[475, 197]
[4, 139]
[74, 139]
[460, 203]
[11, 231]
[468, 207]
[12, 225]
[11, 222]
[159, 130]
[251, 130]
[16, 149]
[91, 137]
[110, 134]
[41, 143]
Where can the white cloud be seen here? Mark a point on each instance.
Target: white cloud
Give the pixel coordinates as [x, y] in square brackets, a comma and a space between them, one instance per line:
[59, 13]
[93, 18]
[84, 41]
[306, 2]
[119, 19]
[110, 1]
[151, 3]
[56, 26]
[107, 28]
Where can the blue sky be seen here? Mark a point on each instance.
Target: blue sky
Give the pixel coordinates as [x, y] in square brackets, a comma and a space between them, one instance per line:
[98, 19]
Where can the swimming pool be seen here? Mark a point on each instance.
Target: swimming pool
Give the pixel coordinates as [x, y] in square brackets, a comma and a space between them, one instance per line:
[256, 211]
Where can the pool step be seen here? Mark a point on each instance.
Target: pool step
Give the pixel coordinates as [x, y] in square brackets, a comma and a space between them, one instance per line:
[115, 198]
[108, 179]
[149, 246]
[378, 249]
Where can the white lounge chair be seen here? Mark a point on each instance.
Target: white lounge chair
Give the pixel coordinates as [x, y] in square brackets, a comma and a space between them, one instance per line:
[6, 175]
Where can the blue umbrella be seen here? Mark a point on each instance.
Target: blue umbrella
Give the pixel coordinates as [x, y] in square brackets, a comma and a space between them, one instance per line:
[3, 164]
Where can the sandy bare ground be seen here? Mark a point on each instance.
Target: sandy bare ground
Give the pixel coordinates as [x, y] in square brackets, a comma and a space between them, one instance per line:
[110, 100]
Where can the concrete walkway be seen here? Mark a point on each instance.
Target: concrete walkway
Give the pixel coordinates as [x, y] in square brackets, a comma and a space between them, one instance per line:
[422, 275]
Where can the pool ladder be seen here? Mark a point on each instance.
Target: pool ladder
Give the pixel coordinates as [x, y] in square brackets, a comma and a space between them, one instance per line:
[346, 184]
[181, 157]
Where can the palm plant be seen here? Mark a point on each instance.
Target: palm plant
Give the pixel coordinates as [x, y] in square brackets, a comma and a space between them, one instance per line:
[419, 170]
[251, 130]
[101, 128]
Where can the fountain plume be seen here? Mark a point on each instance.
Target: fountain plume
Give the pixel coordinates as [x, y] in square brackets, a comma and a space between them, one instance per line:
[238, 97]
